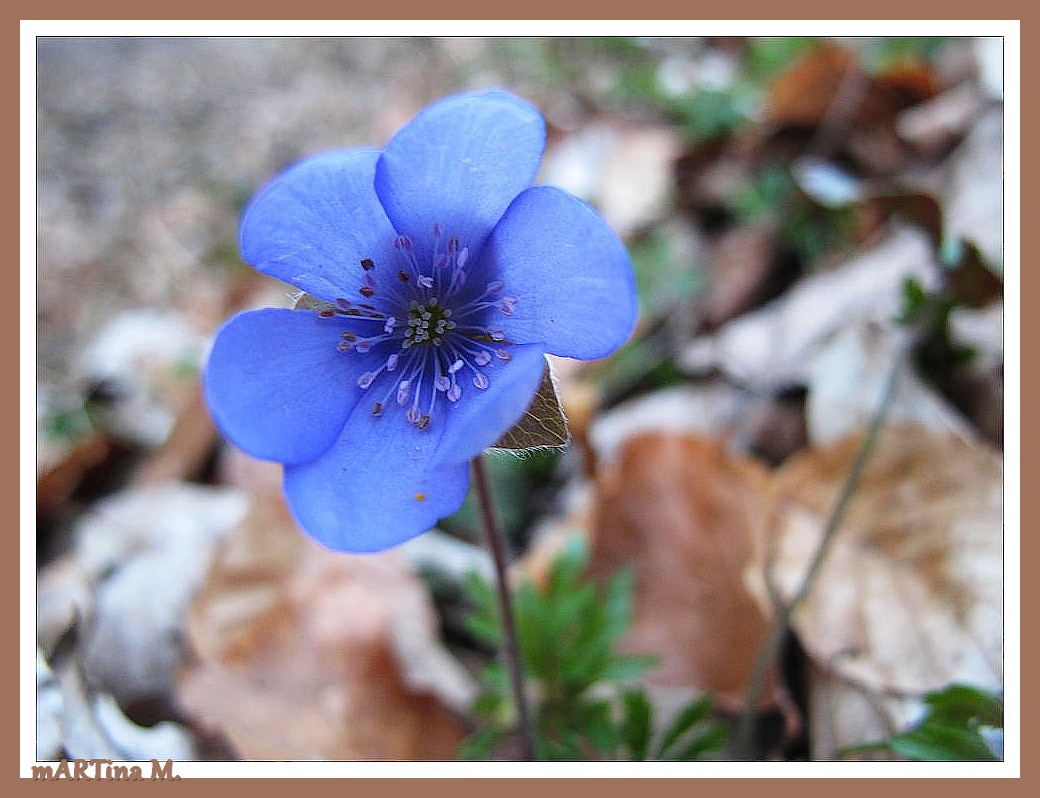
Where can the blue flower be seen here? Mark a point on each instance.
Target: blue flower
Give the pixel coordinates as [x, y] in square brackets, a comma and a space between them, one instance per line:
[449, 278]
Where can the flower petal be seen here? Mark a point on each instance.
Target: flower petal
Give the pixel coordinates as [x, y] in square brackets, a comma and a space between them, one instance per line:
[375, 487]
[314, 224]
[460, 163]
[277, 386]
[483, 416]
[571, 275]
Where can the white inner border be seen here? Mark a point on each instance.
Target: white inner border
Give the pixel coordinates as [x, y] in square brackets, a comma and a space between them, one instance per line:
[1009, 29]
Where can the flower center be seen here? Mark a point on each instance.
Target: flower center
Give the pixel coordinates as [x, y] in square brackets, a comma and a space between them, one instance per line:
[427, 324]
[432, 331]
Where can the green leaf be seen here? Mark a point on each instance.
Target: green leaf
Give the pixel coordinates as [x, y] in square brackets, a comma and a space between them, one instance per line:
[936, 742]
[961, 705]
[597, 723]
[566, 570]
[489, 704]
[693, 713]
[712, 741]
[485, 628]
[637, 725]
[479, 745]
[629, 667]
[543, 423]
[618, 603]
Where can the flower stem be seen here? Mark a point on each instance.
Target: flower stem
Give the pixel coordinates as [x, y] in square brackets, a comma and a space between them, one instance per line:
[510, 644]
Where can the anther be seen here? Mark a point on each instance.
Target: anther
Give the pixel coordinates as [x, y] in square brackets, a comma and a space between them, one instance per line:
[423, 422]
[366, 291]
[377, 410]
[402, 276]
[367, 264]
[480, 381]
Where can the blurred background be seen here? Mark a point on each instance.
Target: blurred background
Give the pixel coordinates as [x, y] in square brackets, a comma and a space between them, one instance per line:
[806, 217]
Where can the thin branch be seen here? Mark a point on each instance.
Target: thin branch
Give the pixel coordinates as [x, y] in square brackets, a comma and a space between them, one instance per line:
[771, 645]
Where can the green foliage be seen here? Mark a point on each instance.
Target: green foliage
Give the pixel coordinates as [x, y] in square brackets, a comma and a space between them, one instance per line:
[957, 727]
[569, 633]
[769, 55]
[886, 52]
[806, 227]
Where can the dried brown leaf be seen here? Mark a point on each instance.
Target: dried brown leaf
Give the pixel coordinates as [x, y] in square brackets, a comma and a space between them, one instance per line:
[909, 598]
[679, 510]
[296, 649]
[543, 423]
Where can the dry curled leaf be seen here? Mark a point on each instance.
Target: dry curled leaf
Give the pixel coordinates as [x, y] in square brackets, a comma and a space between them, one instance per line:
[543, 423]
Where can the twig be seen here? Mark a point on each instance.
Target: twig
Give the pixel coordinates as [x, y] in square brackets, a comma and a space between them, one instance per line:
[770, 646]
[510, 644]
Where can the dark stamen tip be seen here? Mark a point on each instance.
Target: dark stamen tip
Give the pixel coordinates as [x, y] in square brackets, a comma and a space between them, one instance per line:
[367, 264]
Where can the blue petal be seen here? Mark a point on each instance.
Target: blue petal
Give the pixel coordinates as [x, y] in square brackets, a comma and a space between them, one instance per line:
[277, 386]
[460, 163]
[314, 224]
[570, 273]
[375, 487]
[482, 416]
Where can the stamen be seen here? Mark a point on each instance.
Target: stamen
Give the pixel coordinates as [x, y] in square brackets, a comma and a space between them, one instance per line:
[377, 409]
[366, 291]
[480, 380]
[367, 264]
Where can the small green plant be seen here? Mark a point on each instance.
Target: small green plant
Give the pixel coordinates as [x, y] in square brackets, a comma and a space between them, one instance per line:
[584, 700]
[961, 723]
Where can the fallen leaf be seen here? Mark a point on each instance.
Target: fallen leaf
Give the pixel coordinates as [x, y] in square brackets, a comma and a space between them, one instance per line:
[802, 95]
[742, 263]
[681, 511]
[973, 199]
[848, 377]
[909, 598]
[773, 346]
[299, 651]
